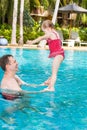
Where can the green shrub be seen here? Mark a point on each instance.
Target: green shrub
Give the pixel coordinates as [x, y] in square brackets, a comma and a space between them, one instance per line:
[5, 30]
[34, 31]
[65, 33]
[83, 34]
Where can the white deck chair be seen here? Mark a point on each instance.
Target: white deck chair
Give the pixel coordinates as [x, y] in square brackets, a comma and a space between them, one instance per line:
[62, 38]
[74, 37]
[83, 43]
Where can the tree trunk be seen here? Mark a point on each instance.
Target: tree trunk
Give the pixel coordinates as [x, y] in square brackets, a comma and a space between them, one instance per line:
[55, 11]
[21, 22]
[13, 38]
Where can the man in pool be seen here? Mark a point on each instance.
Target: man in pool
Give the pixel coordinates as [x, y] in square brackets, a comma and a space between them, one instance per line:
[10, 81]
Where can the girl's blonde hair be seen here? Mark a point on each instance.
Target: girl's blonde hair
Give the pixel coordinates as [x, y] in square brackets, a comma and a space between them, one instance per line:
[47, 23]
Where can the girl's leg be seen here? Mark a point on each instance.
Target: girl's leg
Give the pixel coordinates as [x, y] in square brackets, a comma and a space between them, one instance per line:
[55, 66]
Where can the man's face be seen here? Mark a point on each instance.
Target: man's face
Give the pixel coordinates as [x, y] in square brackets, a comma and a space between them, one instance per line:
[13, 65]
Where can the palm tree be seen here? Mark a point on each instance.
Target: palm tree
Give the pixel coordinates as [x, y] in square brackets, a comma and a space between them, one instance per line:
[55, 11]
[3, 10]
[21, 22]
[13, 38]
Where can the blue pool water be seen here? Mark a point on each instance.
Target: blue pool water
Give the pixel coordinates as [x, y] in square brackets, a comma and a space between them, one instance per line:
[64, 109]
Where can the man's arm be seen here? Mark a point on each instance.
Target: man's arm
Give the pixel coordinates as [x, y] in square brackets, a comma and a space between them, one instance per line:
[20, 81]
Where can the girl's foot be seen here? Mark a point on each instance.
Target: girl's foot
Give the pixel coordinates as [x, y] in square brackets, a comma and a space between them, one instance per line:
[48, 89]
[47, 82]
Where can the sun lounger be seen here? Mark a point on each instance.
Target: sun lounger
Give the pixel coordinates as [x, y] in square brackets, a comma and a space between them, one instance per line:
[83, 43]
[74, 38]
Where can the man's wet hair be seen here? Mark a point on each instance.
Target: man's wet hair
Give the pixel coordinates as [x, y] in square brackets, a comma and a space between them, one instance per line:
[4, 60]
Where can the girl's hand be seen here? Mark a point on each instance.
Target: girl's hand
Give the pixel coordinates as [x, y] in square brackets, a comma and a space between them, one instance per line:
[29, 42]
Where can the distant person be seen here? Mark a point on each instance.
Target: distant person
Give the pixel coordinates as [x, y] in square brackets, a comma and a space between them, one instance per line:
[56, 51]
[10, 82]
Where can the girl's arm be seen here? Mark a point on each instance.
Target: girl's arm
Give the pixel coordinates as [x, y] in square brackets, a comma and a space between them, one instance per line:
[44, 37]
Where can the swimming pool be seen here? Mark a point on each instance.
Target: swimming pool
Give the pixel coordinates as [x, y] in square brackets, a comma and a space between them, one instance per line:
[64, 109]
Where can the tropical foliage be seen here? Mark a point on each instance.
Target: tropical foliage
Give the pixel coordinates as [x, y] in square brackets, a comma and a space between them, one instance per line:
[31, 27]
[6, 11]
[32, 33]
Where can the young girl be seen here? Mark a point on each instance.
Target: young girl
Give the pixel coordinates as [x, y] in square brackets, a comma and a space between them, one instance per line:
[56, 51]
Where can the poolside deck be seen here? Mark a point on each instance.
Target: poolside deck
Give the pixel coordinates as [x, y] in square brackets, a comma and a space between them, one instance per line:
[35, 47]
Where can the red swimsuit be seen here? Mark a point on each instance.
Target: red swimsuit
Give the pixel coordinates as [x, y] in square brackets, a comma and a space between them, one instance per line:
[55, 47]
[9, 96]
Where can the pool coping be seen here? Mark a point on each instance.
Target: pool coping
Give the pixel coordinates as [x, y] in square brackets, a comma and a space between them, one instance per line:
[80, 48]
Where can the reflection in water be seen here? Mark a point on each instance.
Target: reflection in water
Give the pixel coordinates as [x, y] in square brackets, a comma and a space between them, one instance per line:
[20, 104]
[70, 58]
